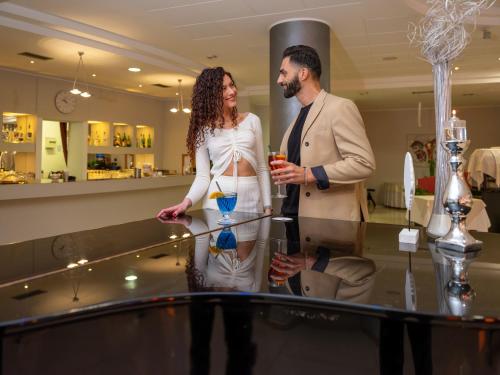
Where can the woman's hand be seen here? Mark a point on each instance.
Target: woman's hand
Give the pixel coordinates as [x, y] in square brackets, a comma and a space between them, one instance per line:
[268, 211]
[174, 211]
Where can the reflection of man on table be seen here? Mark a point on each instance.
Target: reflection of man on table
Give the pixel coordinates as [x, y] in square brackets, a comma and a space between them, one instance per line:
[317, 266]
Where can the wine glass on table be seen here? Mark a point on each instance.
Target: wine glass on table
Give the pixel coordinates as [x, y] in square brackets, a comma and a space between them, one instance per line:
[274, 156]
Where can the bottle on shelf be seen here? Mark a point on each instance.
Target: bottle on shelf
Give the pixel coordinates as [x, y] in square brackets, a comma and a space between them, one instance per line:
[129, 141]
[123, 141]
[29, 133]
[143, 141]
[149, 142]
[117, 140]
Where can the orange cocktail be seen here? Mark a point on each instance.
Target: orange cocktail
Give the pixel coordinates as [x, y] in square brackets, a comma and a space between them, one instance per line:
[275, 156]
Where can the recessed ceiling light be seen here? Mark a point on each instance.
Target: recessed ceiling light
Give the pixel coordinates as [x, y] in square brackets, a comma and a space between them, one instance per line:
[140, 85]
[457, 68]
[499, 58]
[211, 57]
[389, 58]
[131, 278]
[94, 75]
[32, 61]
[134, 69]
[26, 286]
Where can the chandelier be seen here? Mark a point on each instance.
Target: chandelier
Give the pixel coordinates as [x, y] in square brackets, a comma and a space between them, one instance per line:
[75, 90]
[180, 101]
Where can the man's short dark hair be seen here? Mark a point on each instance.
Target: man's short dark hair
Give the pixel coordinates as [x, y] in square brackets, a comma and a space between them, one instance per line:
[306, 57]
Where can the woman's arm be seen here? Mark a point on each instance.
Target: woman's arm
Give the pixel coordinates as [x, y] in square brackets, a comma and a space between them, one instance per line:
[202, 181]
[262, 167]
[198, 188]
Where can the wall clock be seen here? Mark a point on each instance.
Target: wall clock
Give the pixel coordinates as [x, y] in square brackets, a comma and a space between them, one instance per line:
[65, 102]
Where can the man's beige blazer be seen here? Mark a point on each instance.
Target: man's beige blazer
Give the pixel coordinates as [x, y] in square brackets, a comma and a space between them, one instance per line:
[334, 137]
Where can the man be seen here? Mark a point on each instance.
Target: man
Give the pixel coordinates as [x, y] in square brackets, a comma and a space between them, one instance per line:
[329, 155]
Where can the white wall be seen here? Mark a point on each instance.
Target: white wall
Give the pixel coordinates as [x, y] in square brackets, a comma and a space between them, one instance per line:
[263, 112]
[52, 157]
[388, 131]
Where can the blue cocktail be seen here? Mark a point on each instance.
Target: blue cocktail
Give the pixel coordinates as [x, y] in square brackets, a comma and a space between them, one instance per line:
[226, 205]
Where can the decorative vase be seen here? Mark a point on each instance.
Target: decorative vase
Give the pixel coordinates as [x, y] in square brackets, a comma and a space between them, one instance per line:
[439, 224]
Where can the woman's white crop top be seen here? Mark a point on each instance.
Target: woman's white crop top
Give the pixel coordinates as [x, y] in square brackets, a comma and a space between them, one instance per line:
[243, 141]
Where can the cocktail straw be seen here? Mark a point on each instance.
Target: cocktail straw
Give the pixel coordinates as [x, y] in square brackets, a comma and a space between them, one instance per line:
[218, 187]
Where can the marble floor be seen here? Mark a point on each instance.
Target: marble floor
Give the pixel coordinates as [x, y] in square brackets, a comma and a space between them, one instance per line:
[387, 215]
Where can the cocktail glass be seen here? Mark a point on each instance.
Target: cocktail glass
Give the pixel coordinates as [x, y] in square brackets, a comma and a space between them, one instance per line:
[226, 205]
[274, 156]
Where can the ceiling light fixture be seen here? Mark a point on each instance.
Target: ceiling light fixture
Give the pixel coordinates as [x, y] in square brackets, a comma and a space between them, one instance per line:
[457, 68]
[75, 90]
[94, 75]
[32, 61]
[134, 69]
[180, 101]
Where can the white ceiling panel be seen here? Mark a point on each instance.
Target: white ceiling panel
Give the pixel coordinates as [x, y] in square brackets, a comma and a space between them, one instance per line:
[267, 6]
[172, 39]
[387, 25]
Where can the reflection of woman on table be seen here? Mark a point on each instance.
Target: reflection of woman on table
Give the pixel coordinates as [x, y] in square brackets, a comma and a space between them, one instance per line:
[222, 262]
[217, 264]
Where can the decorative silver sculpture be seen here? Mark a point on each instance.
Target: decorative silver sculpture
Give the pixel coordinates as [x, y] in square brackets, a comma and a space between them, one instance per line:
[409, 235]
[458, 292]
[455, 295]
[442, 36]
[457, 199]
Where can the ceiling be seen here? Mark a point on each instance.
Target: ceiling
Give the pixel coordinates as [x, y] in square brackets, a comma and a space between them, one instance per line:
[372, 60]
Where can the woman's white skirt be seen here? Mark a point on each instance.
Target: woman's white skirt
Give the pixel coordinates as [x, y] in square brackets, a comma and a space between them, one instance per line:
[248, 190]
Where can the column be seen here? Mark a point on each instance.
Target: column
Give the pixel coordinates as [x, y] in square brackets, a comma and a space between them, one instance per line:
[313, 33]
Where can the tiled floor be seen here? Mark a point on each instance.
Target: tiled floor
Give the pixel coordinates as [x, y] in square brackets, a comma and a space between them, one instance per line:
[387, 215]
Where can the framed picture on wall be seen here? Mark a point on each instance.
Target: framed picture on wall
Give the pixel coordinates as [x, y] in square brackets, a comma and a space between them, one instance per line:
[422, 147]
[187, 166]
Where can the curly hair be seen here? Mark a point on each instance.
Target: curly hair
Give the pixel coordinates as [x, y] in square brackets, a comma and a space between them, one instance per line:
[207, 107]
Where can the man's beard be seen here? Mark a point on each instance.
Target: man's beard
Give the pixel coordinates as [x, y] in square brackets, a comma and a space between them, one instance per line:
[292, 88]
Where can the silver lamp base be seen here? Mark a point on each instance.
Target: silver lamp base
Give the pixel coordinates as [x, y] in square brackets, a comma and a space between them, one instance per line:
[458, 239]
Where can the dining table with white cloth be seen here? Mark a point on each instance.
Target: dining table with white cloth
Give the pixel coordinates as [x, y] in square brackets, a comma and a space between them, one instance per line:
[477, 219]
[484, 161]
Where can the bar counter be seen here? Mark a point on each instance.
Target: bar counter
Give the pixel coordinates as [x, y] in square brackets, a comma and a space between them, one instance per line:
[33, 211]
[306, 295]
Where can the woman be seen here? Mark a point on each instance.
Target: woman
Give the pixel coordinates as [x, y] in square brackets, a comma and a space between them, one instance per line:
[232, 141]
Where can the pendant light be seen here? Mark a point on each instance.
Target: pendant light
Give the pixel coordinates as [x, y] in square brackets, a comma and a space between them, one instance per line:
[180, 101]
[75, 90]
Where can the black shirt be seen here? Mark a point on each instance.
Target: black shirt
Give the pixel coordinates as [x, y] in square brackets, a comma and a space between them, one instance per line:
[290, 206]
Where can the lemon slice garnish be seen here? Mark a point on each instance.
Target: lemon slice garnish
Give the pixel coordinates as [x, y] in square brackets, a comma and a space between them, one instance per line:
[215, 195]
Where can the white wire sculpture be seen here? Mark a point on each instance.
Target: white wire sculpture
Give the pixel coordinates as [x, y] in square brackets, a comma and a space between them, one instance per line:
[442, 36]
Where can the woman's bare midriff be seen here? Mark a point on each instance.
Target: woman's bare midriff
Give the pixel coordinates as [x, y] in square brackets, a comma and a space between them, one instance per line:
[245, 169]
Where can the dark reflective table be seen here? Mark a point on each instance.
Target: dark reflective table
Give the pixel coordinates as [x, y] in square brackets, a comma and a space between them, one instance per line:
[257, 297]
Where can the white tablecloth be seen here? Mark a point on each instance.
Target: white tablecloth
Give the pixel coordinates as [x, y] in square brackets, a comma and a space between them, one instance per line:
[484, 161]
[394, 195]
[477, 219]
